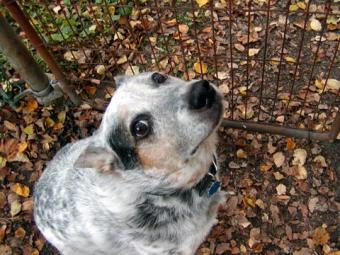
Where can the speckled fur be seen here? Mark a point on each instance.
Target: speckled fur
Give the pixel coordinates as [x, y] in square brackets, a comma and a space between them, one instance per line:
[109, 194]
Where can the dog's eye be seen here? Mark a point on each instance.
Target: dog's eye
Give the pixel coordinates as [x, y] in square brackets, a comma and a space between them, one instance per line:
[140, 129]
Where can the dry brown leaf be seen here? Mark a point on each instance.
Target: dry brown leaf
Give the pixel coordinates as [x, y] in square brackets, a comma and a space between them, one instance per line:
[278, 176]
[301, 173]
[31, 105]
[123, 59]
[20, 233]
[300, 156]
[253, 52]
[183, 28]
[290, 144]
[241, 153]
[312, 203]
[250, 201]
[10, 126]
[279, 159]
[281, 189]
[21, 190]
[315, 24]
[320, 236]
[321, 160]
[239, 47]
[265, 167]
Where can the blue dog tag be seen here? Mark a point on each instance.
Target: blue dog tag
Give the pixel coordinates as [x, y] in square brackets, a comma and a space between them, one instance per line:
[214, 188]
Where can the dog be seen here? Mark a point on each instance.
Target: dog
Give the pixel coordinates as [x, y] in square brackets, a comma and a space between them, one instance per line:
[146, 181]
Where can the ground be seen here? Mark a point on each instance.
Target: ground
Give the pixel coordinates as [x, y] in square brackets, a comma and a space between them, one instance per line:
[283, 194]
[272, 207]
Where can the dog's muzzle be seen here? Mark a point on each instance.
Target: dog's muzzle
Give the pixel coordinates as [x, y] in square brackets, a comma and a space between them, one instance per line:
[201, 95]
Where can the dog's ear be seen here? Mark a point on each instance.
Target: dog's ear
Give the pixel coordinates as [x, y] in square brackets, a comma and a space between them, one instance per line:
[120, 80]
[102, 159]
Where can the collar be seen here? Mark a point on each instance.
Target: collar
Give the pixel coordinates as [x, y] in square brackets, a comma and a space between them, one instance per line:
[209, 184]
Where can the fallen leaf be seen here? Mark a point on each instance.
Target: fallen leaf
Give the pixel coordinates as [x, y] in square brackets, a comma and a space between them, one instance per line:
[279, 159]
[301, 173]
[183, 28]
[290, 144]
[92, 28]
[100, 69]
[31, 105]
[200, 67]
[22, 147]
[49, 122]
[21, 190]
[222, 248]
[132, 70]
[90, 90]
[224, 88]
[301, 5]
[239, 47]
[278, 176]
[253, 52]
[250, 201]
[281, 189]
[123, 59]
[293, 7]
[29, 130]
[320, 159]
[260, 204]
[290, 59]
[300, 156]
[62, 116]
[265, 167]
[241, 153]
[280, 119]
[315, 24]
[2, 232]
[312, 203]
[320, 236]
[10, 126]
[242, 221]
[15, 208]
[202, 2]
[20, 233]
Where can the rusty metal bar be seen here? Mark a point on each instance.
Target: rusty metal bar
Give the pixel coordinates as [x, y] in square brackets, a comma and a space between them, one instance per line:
[280, 62]
[280, 130]
[20, 58]
[213, 37]
[264, 57]
[231, 59]
[38, 44]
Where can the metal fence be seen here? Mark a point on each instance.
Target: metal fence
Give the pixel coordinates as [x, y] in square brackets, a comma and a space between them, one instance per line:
[275, 61]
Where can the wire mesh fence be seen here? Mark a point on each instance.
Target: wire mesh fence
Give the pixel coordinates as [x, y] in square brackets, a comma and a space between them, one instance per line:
[275, 61]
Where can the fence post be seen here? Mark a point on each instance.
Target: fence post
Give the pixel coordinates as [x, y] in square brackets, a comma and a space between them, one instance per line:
[38, 44]
[22, 61]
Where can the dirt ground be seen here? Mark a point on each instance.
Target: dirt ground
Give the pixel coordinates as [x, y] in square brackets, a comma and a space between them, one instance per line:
[273, 207]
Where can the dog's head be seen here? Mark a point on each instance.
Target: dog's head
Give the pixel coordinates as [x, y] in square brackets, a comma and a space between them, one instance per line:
[163, 126]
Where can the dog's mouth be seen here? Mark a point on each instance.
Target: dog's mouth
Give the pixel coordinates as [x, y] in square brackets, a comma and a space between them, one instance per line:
[214, 127]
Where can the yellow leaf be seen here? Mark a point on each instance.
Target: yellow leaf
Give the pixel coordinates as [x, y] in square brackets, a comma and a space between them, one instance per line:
[22, 147]
[301, 5]
[332, 84]
[293, 8]
[320, 236]
[200, 67]
[202, 2]
[315, 24]
[2, 162]
[253, 52]
[29, 130]
[241, 153]
[31, 106]
[49, 122]
[100, 69]
[15, 208]
[35, 252]
[21, 190]
[250, 201]
[290, 59]
[91, 90]
[334, 253]
[62, 116]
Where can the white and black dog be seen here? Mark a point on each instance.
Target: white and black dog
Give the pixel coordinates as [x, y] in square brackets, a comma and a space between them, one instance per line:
[146, 181]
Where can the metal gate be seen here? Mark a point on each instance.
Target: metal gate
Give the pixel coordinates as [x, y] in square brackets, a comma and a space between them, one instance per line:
[275, 61]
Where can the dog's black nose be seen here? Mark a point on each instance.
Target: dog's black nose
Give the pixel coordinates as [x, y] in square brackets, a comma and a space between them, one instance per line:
[201, 95]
